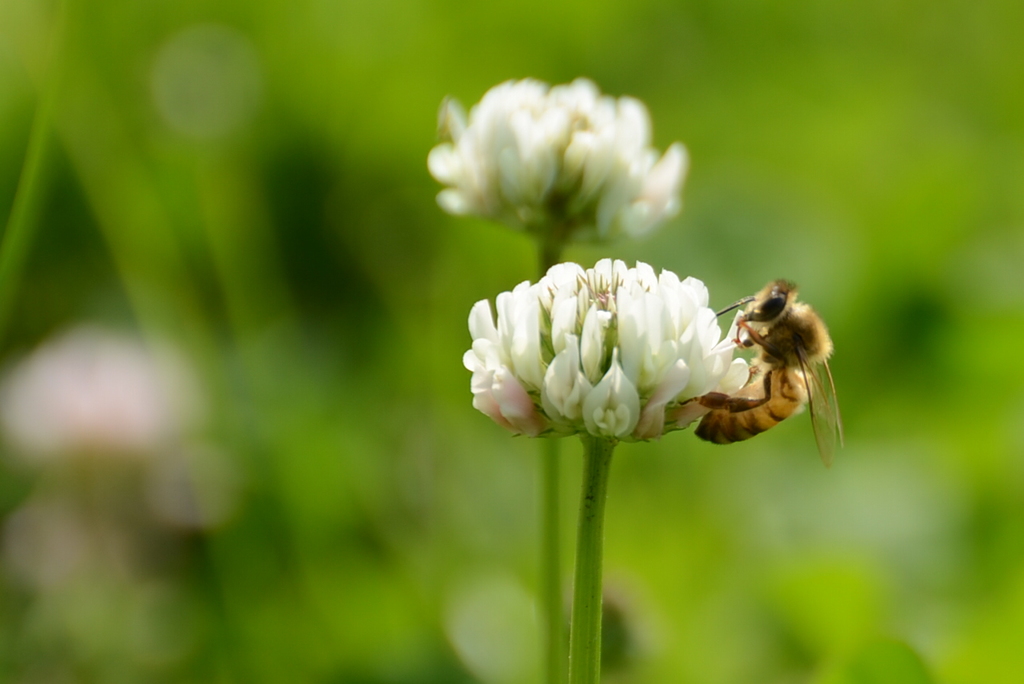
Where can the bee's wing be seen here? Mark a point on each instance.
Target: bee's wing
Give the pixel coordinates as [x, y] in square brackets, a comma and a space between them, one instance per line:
[825, 418]
[830, 393]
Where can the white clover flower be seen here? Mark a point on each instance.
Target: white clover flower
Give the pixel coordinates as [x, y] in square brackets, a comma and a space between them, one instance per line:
[94, 392]
[565, 158]
[612, 351]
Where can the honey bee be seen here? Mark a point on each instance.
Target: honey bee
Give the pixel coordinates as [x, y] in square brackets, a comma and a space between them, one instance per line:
[791, 370]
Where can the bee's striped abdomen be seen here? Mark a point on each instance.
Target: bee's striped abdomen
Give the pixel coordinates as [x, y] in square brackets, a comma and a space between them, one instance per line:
[723, 426]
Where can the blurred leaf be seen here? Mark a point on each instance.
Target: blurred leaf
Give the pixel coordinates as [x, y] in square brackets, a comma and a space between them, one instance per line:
[826, 606]
[883, 662]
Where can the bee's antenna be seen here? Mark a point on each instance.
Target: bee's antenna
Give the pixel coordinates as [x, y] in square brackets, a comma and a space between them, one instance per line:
[736, 305]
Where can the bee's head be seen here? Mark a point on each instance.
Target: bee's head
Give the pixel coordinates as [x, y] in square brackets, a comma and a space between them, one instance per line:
[771, 301]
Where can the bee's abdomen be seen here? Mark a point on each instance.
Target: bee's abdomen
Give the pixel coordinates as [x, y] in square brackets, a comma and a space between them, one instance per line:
[723, 426]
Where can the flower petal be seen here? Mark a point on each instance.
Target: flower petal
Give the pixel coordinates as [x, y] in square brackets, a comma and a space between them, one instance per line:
[612, 408]
[565, 386]
[515, 404]
[652, 418]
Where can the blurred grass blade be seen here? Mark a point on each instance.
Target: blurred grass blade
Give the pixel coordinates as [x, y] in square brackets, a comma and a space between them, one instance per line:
[24, 216]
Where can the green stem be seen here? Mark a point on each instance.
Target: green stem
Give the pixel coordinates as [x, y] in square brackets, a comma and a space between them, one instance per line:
[585, 629]
[551, 241]
[551, 571]
[549, 253]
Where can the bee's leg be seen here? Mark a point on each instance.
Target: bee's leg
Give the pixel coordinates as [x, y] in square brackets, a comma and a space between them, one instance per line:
[713, 400]
[742, 325]
[753, 337]
[734, 404]
[752, 372]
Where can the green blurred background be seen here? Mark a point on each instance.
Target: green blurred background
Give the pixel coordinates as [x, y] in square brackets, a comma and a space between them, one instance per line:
[247, 182]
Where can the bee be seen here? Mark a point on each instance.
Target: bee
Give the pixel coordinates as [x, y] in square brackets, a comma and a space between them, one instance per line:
[791, 370]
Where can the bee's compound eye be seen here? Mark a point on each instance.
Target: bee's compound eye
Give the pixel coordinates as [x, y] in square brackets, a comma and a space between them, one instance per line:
[771, 308]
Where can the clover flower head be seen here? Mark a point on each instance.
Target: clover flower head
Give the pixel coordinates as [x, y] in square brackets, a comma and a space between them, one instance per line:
[568, 158]
[98, 393]
[612, 351]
